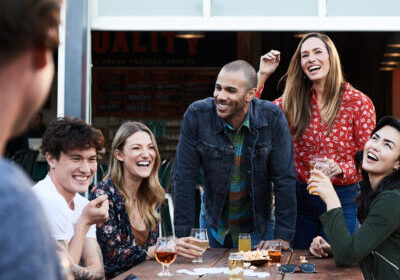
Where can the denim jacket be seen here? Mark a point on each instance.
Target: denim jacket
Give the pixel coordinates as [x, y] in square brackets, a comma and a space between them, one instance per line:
[204, 146]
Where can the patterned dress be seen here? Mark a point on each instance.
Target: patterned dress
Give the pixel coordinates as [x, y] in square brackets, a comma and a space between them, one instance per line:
[351, 130]
[115, 237]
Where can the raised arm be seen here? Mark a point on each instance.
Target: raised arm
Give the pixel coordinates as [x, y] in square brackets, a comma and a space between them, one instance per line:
[382, 221]
[186, 170]
[268, 64]
[95, 212]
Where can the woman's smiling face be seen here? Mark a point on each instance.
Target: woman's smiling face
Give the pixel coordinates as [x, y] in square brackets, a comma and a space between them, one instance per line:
[138, 155]
[314, 58]
[382, 152]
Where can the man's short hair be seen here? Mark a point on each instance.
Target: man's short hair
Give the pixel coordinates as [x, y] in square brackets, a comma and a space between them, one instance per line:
[65, 134]
[246, 68]
[26, 24]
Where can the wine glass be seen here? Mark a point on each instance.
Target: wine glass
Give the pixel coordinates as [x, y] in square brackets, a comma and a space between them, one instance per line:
[165, 254]
[203, 243]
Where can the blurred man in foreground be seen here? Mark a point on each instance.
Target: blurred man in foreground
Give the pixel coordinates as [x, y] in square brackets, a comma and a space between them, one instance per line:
[28, 36]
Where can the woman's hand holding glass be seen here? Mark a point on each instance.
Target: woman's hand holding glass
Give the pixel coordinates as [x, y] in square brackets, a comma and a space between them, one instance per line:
[334, 167]
[322, 186]
[328, 166]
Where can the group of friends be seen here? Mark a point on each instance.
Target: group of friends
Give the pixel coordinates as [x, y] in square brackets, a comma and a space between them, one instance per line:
[254, 156]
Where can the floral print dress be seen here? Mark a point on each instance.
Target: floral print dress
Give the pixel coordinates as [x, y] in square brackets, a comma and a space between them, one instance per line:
[115, 237]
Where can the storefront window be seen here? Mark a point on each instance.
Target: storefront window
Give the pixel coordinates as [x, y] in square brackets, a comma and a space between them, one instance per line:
[264, 8]
[151, 8]
[363, 8]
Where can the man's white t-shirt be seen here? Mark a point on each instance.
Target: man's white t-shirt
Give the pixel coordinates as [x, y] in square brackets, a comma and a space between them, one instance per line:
[61, 218]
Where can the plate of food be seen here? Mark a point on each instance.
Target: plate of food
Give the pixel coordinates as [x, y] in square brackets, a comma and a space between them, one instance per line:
[257, 258]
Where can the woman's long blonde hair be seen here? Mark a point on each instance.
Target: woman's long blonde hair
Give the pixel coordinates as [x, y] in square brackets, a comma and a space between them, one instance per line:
[296, 99]
[150, 193]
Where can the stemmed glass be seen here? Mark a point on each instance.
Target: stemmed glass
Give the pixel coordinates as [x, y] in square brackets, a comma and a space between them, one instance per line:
[165, 254]
[203, 243]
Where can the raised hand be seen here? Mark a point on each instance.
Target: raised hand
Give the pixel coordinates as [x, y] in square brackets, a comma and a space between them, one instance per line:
[96, 211]
[320, 184]
[268, 63]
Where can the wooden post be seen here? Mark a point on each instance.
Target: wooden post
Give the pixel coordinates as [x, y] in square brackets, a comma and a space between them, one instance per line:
[396, 93]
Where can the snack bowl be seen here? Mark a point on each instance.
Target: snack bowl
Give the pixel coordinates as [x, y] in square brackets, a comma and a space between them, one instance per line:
[256, 258]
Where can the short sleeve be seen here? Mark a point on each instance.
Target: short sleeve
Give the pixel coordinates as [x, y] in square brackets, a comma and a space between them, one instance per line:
[58, 217]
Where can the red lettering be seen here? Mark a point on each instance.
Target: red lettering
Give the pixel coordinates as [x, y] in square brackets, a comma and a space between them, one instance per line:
[170, 40]
[120, 42]
[192, 43]
[136, 43]
[154, 42]
[100, 41]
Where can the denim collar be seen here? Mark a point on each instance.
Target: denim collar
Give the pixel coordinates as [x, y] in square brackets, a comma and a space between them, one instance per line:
[256, 118]
[245, 123]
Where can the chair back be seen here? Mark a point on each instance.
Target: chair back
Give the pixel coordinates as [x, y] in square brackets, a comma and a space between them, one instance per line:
[26, 159]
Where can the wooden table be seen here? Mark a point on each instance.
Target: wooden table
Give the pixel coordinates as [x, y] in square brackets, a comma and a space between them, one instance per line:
[325, 268]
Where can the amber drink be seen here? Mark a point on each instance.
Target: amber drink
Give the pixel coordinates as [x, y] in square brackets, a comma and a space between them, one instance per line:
[165, 257]
[320, 164]
[274, 256]
[274, 252]
[165, 253]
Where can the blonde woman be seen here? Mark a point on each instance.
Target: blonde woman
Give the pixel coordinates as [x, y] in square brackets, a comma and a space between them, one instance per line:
[329, 119]
[135, 195]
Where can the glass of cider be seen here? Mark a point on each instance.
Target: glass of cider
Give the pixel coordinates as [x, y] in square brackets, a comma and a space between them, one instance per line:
[244, 242]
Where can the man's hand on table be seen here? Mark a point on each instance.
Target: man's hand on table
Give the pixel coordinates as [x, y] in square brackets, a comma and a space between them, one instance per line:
[187, 249]
[264, 244]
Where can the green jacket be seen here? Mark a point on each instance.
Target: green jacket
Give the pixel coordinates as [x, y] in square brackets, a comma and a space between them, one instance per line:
[376, 244]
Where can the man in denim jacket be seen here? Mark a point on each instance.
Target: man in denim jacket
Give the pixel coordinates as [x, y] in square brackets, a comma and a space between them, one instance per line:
[242, 146]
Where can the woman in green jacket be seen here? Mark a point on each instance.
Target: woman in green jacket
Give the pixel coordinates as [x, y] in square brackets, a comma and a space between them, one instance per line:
[376, 244]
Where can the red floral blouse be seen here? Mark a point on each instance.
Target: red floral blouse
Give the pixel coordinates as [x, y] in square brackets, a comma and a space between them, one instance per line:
[351, 130]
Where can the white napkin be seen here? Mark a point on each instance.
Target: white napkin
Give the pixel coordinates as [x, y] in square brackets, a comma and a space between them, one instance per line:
[205, 270]
[224, 270]
[249, 272]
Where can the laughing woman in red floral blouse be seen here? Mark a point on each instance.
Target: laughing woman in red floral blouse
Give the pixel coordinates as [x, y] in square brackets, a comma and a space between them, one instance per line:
[329, 119]
[135, 196]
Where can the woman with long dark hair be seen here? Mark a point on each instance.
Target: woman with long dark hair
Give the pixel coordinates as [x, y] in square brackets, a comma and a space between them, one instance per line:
[328, 119]
[376, 244]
